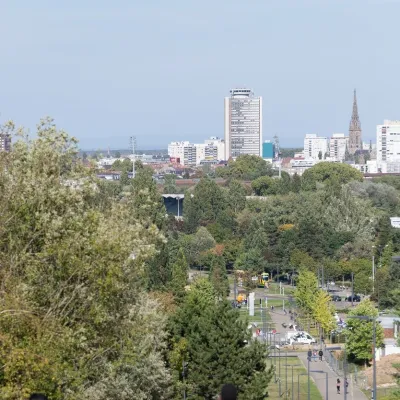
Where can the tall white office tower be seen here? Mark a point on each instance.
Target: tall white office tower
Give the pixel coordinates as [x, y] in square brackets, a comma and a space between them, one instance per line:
[243, 123]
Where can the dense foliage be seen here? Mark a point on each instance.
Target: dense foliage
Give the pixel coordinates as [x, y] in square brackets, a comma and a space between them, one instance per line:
[246, 167]
[96, 297]
[359, 332]
[75, 320]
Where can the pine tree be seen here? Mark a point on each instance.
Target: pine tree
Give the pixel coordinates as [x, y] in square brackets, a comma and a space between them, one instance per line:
[218, 346]
[218, 276]
[296, 183]
[179, 275]
[236, 196]
[219, 354]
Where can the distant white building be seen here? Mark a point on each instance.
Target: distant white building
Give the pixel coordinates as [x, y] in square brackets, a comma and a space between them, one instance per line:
[212, 149]
[388, 146]
[315, 146]
[183, 152]
[188, 154]
[299, 165]
[337, 146]
[370, 167]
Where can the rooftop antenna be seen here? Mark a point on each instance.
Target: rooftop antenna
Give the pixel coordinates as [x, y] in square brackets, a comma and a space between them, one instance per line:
[276, 145]
[133, 147]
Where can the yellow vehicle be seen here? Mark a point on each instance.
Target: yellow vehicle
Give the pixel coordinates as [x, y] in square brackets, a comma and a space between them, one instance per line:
[263, 280]
[241, 297]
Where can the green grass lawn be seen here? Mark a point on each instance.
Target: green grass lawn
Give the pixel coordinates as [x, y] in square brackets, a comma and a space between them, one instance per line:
[273, 388]
[383, 392]
[244, 312]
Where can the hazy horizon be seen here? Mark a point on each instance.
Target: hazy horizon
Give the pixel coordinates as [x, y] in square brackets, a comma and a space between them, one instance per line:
[160, 71]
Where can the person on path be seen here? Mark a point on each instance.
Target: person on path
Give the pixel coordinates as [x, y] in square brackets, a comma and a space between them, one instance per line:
[228, 392]
[338, 385]
[320, 353]
[346, 384]
[315, 355]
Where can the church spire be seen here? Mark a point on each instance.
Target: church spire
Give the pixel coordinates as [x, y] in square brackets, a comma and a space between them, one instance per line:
[355, 119]
[355, 141]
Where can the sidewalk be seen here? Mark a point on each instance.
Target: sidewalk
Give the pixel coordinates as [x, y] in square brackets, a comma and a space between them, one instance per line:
[354, 393]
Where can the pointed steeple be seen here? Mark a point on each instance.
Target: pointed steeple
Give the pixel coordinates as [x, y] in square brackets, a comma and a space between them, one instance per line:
[355, 141]
[355, 119]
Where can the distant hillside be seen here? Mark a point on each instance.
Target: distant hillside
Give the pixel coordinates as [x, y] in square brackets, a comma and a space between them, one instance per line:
[123, 152]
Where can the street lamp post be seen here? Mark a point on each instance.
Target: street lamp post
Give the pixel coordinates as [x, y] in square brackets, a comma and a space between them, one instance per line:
[373, 273]
[184, 367]
[309, 354]
[380, 249]
[279, 370]
[177, 198]
[366, 318]
[293, 365]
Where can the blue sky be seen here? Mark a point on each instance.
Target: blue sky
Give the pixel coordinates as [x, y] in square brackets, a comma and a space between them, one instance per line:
[106, 70]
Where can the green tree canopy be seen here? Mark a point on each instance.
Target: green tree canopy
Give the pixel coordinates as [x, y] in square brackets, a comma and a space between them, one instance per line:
[218, 341]
[75, 321]
[306, 291]
[328, 172]
[218, 276]
[359, 332]
[246, 167]
[264, 185]
[179, 275]
[203, 205]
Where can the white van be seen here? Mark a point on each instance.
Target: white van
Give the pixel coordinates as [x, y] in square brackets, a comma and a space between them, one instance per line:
[302, 338]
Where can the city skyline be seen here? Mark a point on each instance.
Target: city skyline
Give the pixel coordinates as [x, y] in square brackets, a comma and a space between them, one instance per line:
[160, 71]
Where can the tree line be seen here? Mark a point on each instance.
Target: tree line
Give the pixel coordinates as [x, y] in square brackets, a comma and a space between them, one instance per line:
[96, 300]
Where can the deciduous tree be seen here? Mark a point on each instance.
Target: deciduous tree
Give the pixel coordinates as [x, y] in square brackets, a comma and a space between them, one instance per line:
[359, 332]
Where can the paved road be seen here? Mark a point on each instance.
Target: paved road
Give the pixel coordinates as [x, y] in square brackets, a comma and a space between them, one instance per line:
[320, 378]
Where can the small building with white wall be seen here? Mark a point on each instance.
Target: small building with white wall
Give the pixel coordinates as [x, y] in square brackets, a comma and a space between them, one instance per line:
[337, 146]
[189, 154]
[314, 146]
[388, 146]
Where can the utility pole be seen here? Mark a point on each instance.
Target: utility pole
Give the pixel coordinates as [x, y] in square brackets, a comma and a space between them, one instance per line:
[234, 288]
[352, 288]
[309, 355]
[374, 361]
[344, 373]
[373, 273]
[133, 147]
[322, 277]
[184, 365]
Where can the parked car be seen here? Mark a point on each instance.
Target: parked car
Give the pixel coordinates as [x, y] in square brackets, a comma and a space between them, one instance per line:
[356, 298]
[335, 297]
[303, 338]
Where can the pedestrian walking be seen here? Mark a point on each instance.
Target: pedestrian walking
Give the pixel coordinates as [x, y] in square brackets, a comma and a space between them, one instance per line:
[338, 385]
[320, 353]
[346, 384]
[315, 355]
